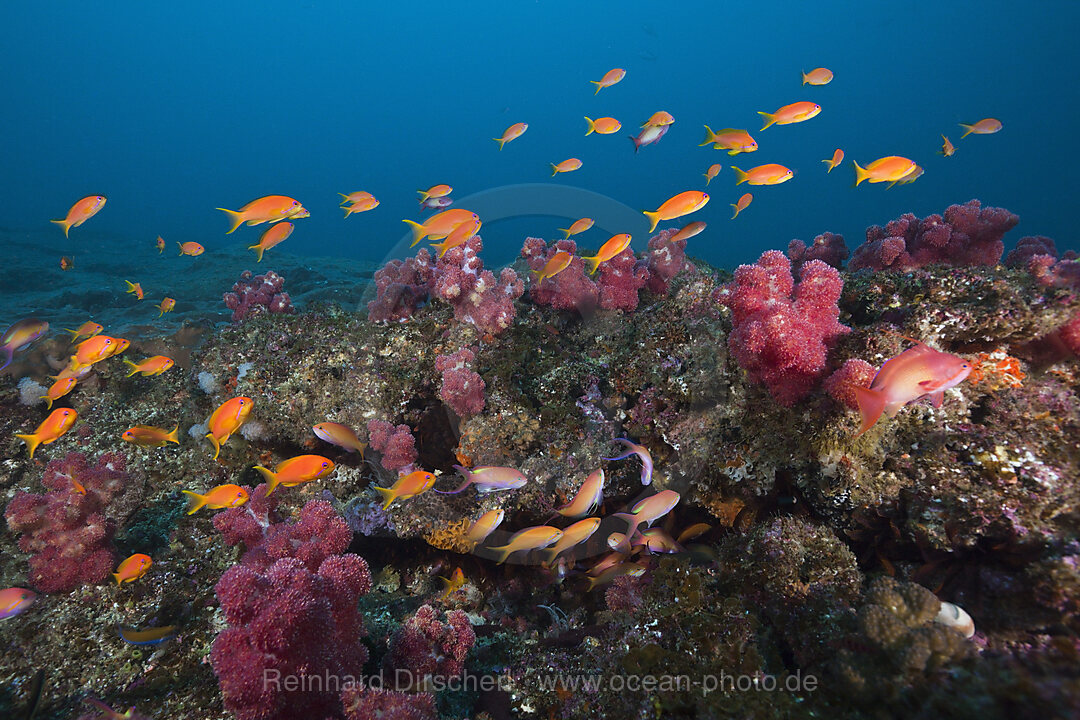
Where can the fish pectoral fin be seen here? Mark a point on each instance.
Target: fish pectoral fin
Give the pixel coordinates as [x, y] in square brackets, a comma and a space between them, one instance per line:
[936, 398]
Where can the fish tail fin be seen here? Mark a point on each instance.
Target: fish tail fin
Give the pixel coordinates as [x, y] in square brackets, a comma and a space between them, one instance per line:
[441, 247]
[598, 86]
[74, 333]
[131, 286]
[181, 248]
[562, 230]
[418, 231]
[710, 137]
[32, 441]
[803, 77]
[259, 249]
[871, 406]
[116, 577]
[344, 197]
[860, 173]
[735, 205]
[195, 501]
[740, 176]
[654, 218]
[592, 126]
[236, 218]
[632, 520]
[968, 129]
[172, 436]
[637, 145]
[10, 356]
[387, 494]
[769, 119]
[423, 195]
[48, 401]
[828, 161]
[501, 143]
[66, 224]
[269, 476]
[593, 263]
[554, 169]
[215, 443]
[501, 553]
[134, 367]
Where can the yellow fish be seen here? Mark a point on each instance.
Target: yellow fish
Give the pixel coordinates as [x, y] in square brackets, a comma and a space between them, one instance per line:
[150, 367]
[132, 569]
[223, 496]
[150, 436]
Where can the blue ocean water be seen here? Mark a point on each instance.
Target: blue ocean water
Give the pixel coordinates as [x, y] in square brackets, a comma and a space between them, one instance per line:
[173, 109]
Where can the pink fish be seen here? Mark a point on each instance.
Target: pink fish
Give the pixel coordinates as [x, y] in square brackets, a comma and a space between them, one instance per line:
[588, 497]
[917, 372]
[643, 454]
[20, 335]
[649, 134]
[14, 600]
[488, 479]
[649, 510]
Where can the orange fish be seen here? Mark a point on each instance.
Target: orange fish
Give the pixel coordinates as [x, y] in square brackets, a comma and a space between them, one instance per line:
[92, 350]
[579, 226]
[227, 419]
[712, 172]
[887, 169]
[191, 248]
[629, 569]
[610, 78]
[675, 207]
[558, 262]
[917, 372]
[574, 534]
[150, 367]
[568, 165]
[51, 429]
[730, 139]
[362, 206]
[150, 436]
[223, 496]
[119, 345]
[603, 126]
[160, 244]
[80, 212]
[132, 569]
[660, 118]
[166, 305]
[793, 113]
[355, 197]
[511, 133]
[439, 225]
[271, 209]
[275, 235]
[340, 435]
[59, 389]
[694, 531]
[947, 148]
[435, 191]
[407, 486]
[836, 159]
[910, 177]
[484, 526]
[588, 497]
[458, 236]
[532, 538]
[453, 584]
[817, 76]
[770, 174]
[87, 330]
[743, 203]
[688, 231]
[986, 126]
[615, 245]
[73, 370]
[66, 263]
[135, 289]
[296, 470]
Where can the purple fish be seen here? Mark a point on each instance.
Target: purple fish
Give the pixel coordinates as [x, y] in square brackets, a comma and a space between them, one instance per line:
[436, 203]
[488, 479]
[19, 335]
[643, 454]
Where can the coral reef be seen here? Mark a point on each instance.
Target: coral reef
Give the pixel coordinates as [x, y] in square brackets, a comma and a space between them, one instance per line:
[782, 332]
[968, 234]
[425, 651]
[291, 609]
[66, 529]
[462, 388]
[253, 295]
[396, 444]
